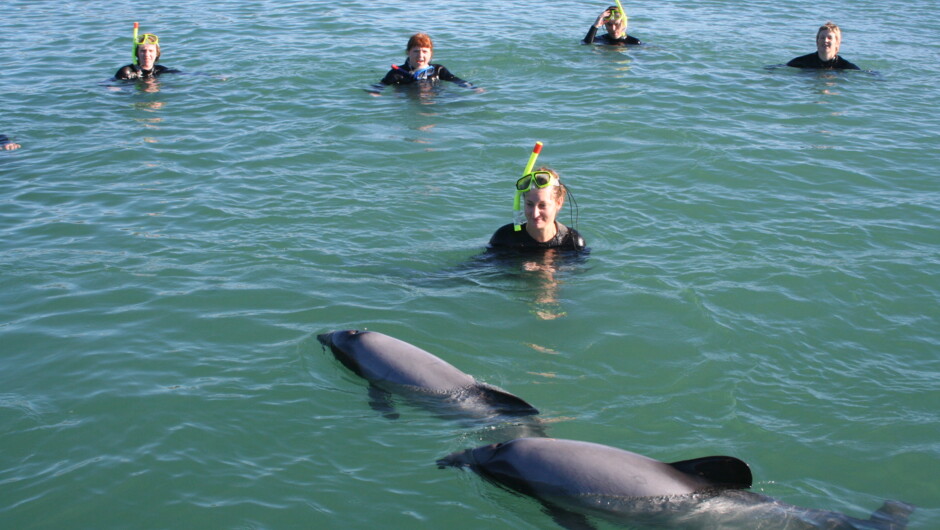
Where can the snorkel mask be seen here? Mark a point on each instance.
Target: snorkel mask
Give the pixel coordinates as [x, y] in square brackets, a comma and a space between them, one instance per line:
[146, 38]
[524, 184]
[424, 73]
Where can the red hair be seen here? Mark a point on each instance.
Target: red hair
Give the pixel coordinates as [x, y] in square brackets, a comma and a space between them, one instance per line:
[420, 40]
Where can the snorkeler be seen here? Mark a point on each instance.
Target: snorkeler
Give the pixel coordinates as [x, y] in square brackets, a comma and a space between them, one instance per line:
[8, 145]
[146, 55]
[543, 195]
[826, 56]
[615, 21]
[418, 66]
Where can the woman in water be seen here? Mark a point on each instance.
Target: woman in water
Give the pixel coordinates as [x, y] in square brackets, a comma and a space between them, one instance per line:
[543, 195]
[616, 24]
[826, 56]
[418, 67]
[146, 53]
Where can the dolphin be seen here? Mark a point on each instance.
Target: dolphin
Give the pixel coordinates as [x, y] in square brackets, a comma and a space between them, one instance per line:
[393, 366]
[575, 480]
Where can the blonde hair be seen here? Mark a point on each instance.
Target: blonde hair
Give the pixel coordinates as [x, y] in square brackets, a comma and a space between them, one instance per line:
[831, 27]
[560, 190]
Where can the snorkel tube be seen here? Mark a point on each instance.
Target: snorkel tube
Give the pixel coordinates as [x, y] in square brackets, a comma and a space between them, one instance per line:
[136, 26]
[517, 214]
[623, 14]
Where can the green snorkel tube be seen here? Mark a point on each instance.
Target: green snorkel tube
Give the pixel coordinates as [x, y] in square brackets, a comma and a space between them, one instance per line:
[625, 18]
[517, 214]
[136, 26]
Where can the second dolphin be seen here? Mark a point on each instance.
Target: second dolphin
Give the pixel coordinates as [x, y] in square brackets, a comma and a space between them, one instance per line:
[393, 366]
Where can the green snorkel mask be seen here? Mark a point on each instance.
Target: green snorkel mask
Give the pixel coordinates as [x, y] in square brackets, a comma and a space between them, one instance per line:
[524, 184]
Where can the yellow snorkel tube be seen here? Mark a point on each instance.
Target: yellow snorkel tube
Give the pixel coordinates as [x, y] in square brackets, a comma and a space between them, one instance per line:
[136, 26]
[623, 14]
[517, 214]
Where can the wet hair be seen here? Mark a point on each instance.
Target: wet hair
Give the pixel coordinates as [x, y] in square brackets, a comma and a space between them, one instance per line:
[560, 190]
[419, 40]
[831, 27]
[562, 194]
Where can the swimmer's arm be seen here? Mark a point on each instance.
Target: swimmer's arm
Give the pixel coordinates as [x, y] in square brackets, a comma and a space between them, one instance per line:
[393, 77]
[589, 38]
[592, 32]
[445, 75]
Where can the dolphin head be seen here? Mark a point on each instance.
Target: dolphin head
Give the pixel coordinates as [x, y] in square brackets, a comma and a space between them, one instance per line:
[470, 457]
[341, 344]
[335, 339]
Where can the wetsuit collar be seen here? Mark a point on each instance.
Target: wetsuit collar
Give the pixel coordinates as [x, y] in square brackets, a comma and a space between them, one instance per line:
[423, 73]
[144, 73]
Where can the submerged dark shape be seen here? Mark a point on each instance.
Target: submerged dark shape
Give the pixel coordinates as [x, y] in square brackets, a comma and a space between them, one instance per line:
[574, 480]
[393, 366]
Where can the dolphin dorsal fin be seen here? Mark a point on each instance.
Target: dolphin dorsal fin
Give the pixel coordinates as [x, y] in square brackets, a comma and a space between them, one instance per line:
[725, 471]
[505, 402]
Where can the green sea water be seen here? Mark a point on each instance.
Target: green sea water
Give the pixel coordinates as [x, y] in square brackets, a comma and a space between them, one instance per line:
[762, 279]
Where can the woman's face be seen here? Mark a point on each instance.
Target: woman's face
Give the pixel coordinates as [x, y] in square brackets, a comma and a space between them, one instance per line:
[419, 57]
[827, 44]
[146, 55]
[541, 207]
[616, 27]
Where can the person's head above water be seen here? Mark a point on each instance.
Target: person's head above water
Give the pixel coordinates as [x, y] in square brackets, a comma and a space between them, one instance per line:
[828, 40]
[148, 51]
[420, 49]
[543, 197]
[615, 22]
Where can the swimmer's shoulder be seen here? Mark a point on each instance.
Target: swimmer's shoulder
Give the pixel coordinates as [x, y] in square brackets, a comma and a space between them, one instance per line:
[505, 236]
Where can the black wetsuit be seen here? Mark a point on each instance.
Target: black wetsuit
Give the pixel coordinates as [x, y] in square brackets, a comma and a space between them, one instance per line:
[507, 238]
[132, 71]
[4, 140]
[403, 75]
[812, 60]
[592, 38]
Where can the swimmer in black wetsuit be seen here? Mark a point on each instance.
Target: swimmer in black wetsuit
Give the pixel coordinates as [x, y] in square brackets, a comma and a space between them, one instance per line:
[826, 56]
[147, 53]
[6, 144]
[543, 198]
[418, 67]
[616, 23]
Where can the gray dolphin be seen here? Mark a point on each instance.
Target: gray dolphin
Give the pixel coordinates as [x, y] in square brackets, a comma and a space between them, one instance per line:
[575, 479]
[393, 366]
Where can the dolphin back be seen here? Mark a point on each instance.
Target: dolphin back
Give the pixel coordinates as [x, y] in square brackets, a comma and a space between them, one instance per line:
[384, 359]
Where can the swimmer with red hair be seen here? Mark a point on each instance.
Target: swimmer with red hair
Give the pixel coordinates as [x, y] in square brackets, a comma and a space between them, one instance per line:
[417, 68]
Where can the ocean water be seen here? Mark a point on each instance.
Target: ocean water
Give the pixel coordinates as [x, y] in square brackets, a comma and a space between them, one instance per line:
[762, 280]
